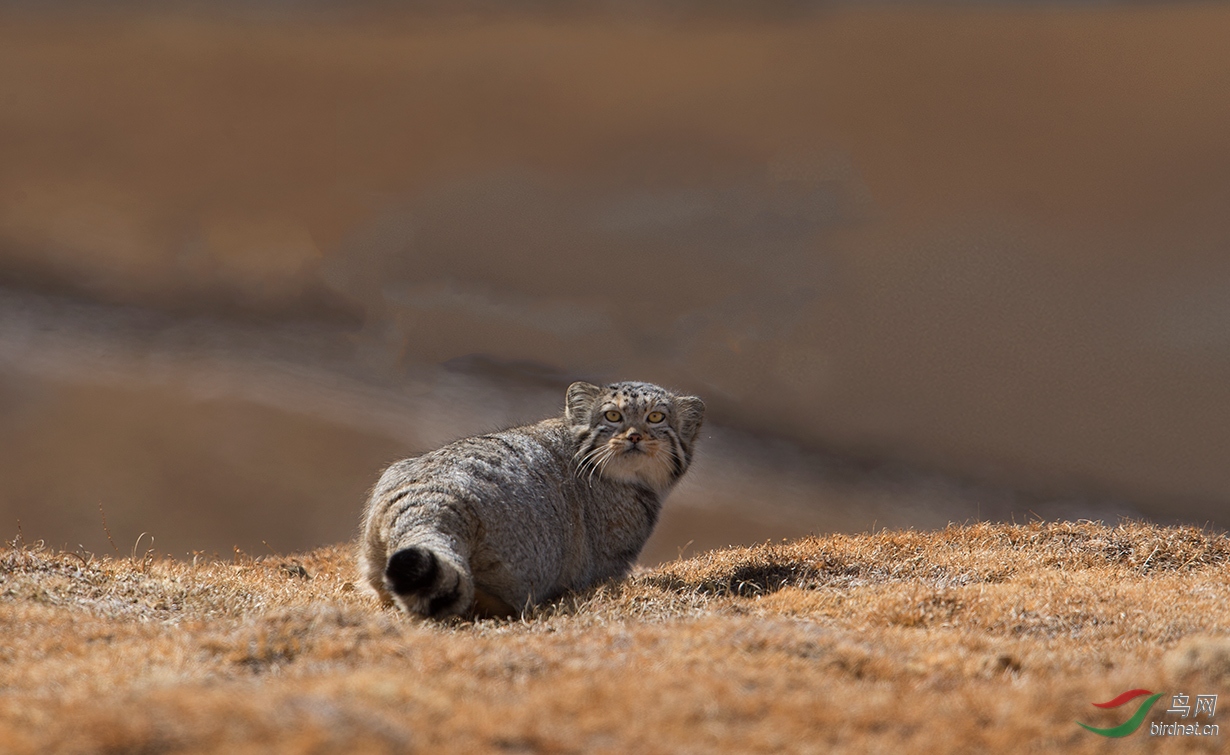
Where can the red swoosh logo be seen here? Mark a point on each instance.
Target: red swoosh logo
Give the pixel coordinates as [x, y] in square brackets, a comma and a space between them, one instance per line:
[1131, 694]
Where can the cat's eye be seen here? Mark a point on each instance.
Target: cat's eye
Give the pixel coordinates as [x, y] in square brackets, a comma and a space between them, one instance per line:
[613, 416]
[656, 417]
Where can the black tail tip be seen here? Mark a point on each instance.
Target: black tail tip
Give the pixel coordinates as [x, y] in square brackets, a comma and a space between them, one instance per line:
[411, 570]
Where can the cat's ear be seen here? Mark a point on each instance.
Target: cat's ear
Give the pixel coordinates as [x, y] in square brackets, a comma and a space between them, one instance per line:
[691, 413]
[578, 403]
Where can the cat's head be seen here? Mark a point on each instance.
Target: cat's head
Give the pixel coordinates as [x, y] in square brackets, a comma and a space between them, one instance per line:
[631, 432]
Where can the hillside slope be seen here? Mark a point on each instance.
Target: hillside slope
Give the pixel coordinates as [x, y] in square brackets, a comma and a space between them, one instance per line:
[973, 638]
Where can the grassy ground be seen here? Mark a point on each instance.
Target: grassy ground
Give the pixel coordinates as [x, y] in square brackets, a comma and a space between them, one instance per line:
[979, 638]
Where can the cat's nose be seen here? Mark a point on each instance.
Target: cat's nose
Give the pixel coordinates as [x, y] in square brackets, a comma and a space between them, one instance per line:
[634, 437]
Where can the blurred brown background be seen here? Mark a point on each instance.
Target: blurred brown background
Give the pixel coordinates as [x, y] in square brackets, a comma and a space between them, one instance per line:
[925, 264]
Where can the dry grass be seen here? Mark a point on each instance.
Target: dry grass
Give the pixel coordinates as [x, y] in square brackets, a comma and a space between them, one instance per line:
[979, 638]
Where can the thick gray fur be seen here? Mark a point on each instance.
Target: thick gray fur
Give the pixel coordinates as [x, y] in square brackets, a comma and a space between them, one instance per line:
[494, 524]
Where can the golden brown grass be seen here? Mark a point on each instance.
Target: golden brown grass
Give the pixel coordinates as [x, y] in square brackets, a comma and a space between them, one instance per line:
[976, 638]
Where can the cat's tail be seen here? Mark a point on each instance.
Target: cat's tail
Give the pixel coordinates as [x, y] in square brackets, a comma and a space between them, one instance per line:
[419, 569]
[429, 581]
[415, 548]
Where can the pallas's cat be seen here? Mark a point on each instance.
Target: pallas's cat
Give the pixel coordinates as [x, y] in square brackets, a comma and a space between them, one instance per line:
[493, 524]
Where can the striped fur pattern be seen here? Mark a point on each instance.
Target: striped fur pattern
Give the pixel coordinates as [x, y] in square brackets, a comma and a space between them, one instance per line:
[493, 524]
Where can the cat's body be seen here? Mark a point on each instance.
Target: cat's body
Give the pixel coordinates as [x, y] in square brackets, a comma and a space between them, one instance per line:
[499, 522]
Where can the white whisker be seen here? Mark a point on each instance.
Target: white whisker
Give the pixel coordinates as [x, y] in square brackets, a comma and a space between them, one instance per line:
[589, 459]
[606, 459]
[600, 463]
